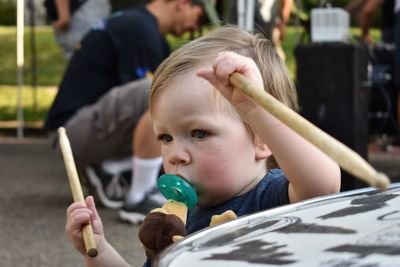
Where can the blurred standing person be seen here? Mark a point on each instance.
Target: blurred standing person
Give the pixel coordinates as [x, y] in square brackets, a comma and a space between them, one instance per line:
[72, 19]
[276, 15]
[271, 17]
[366, 10]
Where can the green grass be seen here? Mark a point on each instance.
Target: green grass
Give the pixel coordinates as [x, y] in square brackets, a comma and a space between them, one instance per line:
[51, 65]
[288, 46]
[35, 103]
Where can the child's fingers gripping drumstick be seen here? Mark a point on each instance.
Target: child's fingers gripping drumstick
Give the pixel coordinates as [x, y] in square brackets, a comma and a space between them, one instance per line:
[77, 194]
[346, 158]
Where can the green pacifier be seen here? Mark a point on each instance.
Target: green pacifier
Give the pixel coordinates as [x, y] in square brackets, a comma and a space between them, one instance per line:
[175, 188]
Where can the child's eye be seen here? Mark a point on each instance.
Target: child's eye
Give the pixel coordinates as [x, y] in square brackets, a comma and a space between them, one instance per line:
[165, 138]
[199, 134]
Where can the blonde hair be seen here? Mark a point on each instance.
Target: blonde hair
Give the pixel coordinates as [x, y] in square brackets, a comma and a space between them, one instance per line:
[202, 51]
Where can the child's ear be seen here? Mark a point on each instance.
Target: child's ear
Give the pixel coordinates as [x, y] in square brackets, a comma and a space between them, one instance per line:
[262, 150]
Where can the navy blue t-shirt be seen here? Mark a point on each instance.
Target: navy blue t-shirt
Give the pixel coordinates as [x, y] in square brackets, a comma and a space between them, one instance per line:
[270, 192]
[119, 49]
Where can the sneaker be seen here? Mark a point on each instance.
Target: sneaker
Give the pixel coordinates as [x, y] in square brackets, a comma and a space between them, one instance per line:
[135, 213]
[110, 189]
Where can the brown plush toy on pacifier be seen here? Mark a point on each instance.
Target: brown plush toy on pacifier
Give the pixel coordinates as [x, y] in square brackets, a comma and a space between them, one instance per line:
[165, 225]
[162, 227]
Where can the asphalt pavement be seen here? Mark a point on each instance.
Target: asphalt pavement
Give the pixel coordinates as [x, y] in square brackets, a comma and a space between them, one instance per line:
[34, 196]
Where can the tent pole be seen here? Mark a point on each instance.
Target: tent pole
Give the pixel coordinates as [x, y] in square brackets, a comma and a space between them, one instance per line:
[20, 66]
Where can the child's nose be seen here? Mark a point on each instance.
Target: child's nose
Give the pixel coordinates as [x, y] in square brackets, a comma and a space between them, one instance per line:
[178, 155]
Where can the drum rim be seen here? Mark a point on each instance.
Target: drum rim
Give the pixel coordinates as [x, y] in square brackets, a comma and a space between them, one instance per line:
[170, 253]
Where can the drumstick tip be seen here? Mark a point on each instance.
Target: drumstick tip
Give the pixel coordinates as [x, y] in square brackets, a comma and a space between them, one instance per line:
[381, 181]
[92, 252]
[61, 130]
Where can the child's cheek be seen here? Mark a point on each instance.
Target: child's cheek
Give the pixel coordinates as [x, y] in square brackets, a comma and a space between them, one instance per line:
[213, 172]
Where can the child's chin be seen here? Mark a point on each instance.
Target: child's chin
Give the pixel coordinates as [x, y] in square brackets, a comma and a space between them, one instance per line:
[207, 203]
[203, 202]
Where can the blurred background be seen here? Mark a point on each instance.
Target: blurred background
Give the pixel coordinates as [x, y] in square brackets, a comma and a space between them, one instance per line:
[44, 63]
[345, 86]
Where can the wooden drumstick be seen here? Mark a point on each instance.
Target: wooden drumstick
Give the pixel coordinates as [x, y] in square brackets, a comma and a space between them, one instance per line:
[344, 156]
[76, 189]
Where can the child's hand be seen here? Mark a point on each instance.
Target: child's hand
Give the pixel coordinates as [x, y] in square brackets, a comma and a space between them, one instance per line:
[222, 68]
[78, 215]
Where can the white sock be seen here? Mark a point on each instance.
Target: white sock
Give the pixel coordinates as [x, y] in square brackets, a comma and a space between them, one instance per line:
[144, 177]
[116, 166]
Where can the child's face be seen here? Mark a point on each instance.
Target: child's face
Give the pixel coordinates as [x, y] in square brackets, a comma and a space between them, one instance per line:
[211, 149]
